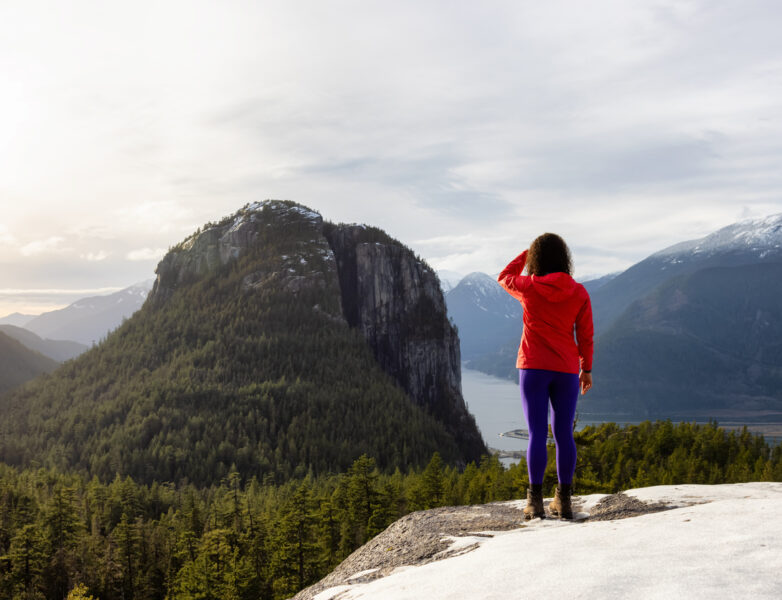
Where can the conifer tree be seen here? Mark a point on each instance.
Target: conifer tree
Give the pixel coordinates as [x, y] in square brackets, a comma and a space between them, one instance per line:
[28, 557]
[433, 482]
[362, 495]
[295, 557]
[62, 526]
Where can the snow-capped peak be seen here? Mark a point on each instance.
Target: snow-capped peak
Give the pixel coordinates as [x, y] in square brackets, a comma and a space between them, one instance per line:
[761, 233]
[755, 235]
[482, 284]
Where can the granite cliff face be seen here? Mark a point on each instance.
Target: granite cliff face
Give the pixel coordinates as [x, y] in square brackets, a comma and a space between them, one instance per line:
[366, 278]
[396, 301]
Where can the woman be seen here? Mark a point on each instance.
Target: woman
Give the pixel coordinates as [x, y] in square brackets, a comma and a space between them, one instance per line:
[552, 364]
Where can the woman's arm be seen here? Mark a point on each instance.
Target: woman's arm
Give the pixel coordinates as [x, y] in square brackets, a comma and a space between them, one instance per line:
[584, 335]
[511, 278]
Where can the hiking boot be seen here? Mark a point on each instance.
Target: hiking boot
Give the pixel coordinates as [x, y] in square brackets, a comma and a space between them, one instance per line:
[561, 506]
[534, 508]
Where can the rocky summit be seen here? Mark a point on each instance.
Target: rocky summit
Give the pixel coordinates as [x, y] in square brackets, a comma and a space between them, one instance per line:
[385, 291]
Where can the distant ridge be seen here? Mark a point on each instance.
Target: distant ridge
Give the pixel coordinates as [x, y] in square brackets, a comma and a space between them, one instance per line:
[59, 350]
[89, 320]
[19, 364]
[16, 319]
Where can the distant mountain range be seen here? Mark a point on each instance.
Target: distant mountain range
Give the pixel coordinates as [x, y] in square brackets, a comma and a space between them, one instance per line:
[692, 331]
[19, 364]
[66, 333]
[59, 350]
[88, 320]
[16, 319]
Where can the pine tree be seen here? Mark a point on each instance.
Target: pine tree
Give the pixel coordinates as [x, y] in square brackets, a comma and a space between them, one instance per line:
[433, 482]
[127, 539]
[362, 495]
[28, 561]
[295, 558]
[62, 526]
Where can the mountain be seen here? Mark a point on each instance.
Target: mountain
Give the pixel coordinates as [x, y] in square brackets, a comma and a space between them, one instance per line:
[683, 541]
[704, 344]
[690, 332]
[273, 343]
[486, 315]
[746, 242]
[593, 283]
[16, 319]
[19, 364]
[89, 320]
[59, 350]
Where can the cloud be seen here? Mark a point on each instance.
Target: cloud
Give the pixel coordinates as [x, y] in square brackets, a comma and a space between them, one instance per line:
[49, 245]
[635, 124]
[58, 291]
[146, 254]
[6, 237]
[96, 256]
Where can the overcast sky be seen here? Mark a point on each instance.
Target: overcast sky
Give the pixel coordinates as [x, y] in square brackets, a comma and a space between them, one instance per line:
[464, 129]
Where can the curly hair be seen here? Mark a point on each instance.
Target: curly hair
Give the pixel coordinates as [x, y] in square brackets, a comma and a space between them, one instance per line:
[549, 253]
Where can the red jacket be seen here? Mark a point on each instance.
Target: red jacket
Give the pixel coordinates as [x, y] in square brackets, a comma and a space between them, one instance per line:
[554, 305]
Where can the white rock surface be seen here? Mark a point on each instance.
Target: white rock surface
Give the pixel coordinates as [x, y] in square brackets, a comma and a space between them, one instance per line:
[722, 541]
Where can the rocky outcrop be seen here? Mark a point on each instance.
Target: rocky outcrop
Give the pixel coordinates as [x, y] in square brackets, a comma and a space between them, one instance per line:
[384, 290]
[420, 538]
[437, 534]
[217, 244]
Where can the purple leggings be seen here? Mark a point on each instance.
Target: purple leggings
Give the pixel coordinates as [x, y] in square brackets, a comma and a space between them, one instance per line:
[538, 386]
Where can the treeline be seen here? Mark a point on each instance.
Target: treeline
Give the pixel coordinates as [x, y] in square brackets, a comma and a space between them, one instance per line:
[255, 539]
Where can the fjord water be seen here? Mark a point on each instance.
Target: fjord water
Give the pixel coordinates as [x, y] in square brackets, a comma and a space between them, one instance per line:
[496, 405]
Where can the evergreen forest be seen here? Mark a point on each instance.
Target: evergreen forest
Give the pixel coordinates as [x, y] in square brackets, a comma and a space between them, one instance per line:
[65, 534]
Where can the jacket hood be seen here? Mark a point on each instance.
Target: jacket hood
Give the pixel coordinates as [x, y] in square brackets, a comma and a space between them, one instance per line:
[554, 287]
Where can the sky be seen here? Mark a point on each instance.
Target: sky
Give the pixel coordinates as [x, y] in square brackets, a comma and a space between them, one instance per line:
[463, 129]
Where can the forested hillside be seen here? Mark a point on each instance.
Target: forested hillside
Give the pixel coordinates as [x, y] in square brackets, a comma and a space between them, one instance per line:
[253, 540]
[244, 364]
[700, 344]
